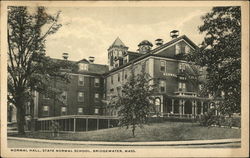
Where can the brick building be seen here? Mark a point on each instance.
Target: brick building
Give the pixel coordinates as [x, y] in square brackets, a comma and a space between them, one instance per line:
[86, 98]
[179, 81]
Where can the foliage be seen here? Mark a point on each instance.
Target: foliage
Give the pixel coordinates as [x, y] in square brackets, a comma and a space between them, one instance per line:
[220, 54]
[208, 118]
[135, 103]
[54, 128]
[29, 69]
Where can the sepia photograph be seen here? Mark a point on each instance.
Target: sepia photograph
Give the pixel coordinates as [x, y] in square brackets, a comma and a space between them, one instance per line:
[124, 79]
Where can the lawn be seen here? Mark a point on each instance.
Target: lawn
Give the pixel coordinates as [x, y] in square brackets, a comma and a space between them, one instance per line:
[166, 131]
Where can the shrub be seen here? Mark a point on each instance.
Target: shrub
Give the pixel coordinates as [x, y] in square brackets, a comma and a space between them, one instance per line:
[208, 118]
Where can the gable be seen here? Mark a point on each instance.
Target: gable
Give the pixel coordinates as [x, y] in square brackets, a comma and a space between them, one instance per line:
[171, 50]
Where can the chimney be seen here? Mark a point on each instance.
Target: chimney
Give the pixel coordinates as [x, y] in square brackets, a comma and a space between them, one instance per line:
[174, 34]
[91, 59]
[65, 56]
[158, 42]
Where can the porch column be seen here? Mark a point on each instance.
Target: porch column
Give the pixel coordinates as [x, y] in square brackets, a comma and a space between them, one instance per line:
[108, 123]
[180, 107]
[201, 107]
[195, 105]
[97, 124]
[65, 124]
[87, 121]
[74, 126]
[69, 124]
[193, 110]
[172, 105]
[162, 106]
[183, 106]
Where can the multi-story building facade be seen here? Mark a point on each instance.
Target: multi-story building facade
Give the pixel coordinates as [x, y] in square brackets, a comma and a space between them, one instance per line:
[179, 81]
[83, 95]
[92, 85]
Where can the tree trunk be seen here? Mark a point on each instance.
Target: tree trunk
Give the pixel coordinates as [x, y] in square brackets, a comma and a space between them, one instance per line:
[20, 119]
[133, 130]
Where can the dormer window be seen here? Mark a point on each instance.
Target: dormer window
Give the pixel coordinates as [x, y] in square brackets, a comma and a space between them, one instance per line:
[182, 67]
[83, 67]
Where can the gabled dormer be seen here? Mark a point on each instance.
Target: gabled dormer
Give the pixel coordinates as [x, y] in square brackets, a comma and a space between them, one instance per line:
[83, 65]
[175, 47]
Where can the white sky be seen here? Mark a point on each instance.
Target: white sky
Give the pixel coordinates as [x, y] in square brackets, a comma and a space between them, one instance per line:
[89, 31]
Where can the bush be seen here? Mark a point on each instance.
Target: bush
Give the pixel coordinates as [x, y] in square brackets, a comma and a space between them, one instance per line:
[208, 118]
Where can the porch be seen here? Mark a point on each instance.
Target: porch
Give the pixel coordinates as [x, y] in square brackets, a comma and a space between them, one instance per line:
[76, 123]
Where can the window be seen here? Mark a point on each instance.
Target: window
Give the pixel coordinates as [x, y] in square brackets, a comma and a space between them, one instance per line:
[182, 67]
[81, 80]
[80, 110]
[80, 96]
[96, 111]
[187, 49]
[64, 97]
[111, 78]
[97, 82]
[125, 74]
[45, 110]
[177, 49]
[200, 87]
[96, 95]
[63, 110]
[118, 90]
[182, 86]
[83, 66]
[162, 86]
[118, 77]
[163, 66]
[111, 90]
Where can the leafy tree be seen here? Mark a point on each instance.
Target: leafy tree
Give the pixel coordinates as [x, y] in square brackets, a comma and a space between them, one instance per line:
[135, 103]
[29, 69]
[220, 54]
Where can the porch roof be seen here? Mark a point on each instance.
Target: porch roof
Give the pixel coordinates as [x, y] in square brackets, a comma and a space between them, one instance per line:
[78, 116]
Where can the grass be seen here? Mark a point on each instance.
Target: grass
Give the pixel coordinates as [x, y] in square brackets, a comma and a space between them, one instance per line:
[166, 131]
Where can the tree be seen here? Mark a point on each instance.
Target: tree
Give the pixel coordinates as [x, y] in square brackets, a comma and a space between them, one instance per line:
[135, 103]
[220, 54]
[29, 69]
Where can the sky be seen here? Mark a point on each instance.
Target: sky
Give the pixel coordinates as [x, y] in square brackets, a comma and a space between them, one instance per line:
[89, 31]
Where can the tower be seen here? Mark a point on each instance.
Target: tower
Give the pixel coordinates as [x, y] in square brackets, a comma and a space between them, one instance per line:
[116, 53]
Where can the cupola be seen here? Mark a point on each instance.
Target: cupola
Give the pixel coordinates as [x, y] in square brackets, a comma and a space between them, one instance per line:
[145, 46]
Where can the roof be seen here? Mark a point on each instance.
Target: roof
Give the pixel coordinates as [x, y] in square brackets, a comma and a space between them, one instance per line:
[98, 68]
[151, 53]
[145, 42]
[118, 43]
[93, 69]
[173, 41]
